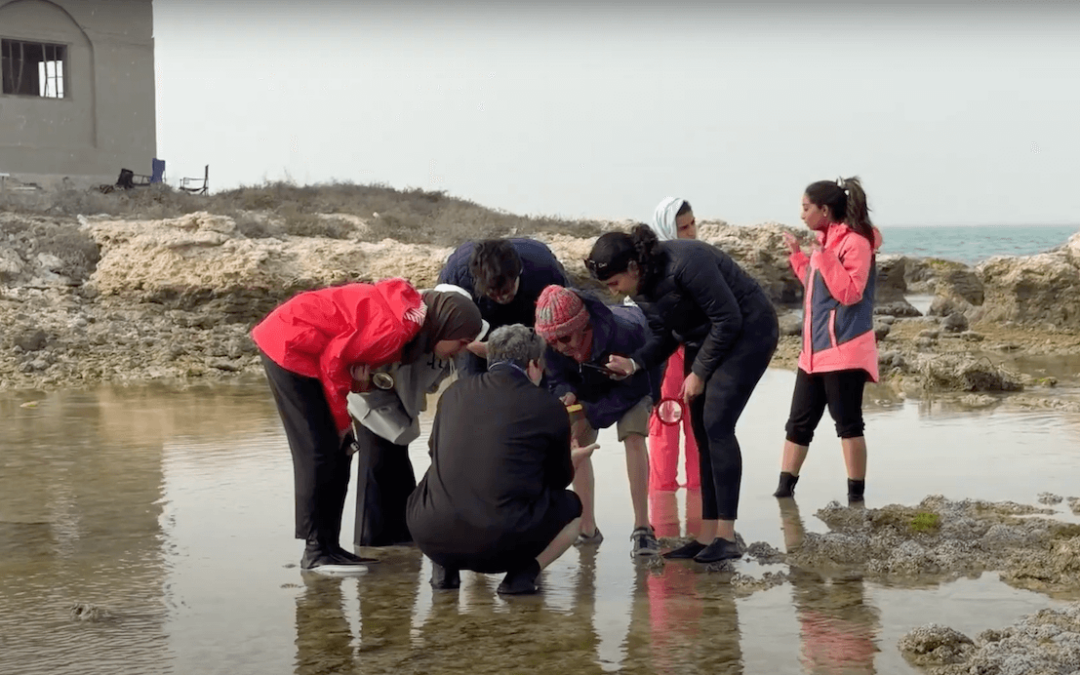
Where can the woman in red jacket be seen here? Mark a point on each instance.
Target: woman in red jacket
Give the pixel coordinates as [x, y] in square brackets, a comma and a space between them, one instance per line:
[839, 352]
[316, 348]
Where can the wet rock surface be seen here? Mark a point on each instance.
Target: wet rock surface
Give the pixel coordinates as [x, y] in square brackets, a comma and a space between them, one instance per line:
[935, 645]
[1044, 643]
[946, 539]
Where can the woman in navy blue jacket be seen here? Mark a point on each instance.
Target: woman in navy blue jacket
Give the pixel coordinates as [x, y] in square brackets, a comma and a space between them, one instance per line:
[582, 333]
[504, 278]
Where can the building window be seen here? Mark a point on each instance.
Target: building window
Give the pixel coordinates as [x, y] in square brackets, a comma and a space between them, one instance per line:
[32, 68]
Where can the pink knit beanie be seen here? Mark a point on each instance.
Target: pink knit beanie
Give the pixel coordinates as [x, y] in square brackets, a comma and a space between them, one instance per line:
[559, 312]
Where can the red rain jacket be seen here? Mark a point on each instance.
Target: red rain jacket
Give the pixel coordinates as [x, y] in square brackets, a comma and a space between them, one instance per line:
[323, 333]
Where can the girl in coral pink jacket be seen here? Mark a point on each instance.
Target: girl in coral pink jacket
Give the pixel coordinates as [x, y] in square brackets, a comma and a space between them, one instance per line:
[839, 352]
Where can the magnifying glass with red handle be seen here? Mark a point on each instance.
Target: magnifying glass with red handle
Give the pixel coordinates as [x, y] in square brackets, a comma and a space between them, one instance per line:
[670, 411]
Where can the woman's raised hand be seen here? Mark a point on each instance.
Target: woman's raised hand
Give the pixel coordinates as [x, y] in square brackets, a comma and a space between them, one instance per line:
[792, 242]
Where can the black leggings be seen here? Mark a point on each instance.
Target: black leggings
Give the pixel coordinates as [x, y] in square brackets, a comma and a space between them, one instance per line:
[714, 414]
[320, 461]
[841, 391]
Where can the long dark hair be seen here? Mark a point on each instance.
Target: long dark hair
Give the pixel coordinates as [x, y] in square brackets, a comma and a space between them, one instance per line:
[846, 201]
[613, 252]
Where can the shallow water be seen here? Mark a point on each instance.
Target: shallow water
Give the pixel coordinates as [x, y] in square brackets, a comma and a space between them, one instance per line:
[171, 511]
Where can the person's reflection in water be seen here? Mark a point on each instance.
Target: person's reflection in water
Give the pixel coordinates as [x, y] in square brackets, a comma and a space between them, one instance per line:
[324, 638]
[674, 616]
[582, 640]
[664, 513]
[684, 621]
[838, 627]
[388, 596]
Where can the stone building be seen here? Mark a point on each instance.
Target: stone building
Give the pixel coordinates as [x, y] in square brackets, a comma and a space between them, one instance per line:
[78, 98]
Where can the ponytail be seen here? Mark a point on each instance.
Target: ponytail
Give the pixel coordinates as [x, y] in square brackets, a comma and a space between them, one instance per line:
[846, 201]
[856, 211]
[613, 252]
[646, 244]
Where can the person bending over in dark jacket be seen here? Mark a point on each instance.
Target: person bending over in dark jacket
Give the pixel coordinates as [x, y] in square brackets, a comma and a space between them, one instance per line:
[581, 333]
[494, 499]
[694, 294]
[504, 278]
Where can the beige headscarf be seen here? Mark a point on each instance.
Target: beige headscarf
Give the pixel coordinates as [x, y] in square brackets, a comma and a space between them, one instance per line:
[450, 316]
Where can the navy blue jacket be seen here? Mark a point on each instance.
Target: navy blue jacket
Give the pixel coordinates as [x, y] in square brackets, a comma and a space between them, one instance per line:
[617, 329]
[539, 269]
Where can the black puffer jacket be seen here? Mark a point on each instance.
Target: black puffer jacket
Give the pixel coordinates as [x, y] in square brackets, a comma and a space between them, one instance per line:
[698, 296]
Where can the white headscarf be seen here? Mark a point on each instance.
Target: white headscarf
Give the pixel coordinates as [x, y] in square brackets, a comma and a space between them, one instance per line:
[663, 220]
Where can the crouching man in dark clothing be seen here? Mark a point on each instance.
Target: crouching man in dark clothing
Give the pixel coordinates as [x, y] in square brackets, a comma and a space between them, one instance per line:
[494, 499]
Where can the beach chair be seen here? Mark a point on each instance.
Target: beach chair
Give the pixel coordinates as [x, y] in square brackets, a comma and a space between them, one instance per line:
[199, 186]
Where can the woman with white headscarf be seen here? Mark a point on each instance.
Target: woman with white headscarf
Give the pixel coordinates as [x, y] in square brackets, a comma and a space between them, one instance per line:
[672, 219]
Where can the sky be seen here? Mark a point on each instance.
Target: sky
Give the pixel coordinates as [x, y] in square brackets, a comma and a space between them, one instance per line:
[951, 113]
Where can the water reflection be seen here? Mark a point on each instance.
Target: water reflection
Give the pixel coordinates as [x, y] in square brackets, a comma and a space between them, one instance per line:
[838, 625]
[664, 513]
[80, 503]
[690, 621]
[171, 512]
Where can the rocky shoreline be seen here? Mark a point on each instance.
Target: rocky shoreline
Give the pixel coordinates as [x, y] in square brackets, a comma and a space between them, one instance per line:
[97, 300]
[92, 300]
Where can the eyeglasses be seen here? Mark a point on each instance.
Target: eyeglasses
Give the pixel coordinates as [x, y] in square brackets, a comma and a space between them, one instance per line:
[596, 269]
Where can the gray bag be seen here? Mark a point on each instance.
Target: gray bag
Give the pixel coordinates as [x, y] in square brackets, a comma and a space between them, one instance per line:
[382, 412]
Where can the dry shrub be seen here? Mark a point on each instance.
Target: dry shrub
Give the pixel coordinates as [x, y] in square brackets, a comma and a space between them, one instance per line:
[410, 215]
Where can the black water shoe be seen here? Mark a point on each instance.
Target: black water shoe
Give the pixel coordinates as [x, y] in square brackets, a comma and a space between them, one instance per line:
[351, 558]
[719, 549]
[521, 581]
[686, 551]
[787, 485]
[444, 578]
[855, 490]
[325, 560]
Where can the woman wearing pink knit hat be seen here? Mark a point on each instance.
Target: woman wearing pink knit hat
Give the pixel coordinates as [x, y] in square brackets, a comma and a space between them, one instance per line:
[582, 333]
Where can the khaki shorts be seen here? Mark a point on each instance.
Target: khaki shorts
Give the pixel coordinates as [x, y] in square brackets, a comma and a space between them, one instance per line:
[634, 421]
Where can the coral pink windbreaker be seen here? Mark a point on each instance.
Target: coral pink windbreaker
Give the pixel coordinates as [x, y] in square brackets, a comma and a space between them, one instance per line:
[838, 307]
[323, 333]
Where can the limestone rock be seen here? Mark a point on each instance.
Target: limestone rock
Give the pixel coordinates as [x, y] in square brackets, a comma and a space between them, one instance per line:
[1034, 289]
[791, 324]
[201, 260]
[935, 645]
[31, 340]
[898, 308]
[955, 323]
[890, 286]
[760, 250]
[881, 330]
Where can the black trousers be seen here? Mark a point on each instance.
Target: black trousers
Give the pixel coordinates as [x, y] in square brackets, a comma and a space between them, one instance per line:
[384, 481]
[320, 461]
[841, 391]
[714, 414]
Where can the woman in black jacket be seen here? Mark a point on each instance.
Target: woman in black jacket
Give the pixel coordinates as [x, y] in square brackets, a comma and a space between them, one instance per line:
[695, 295]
